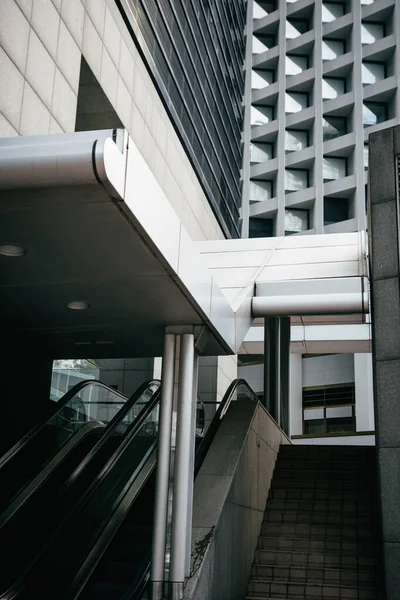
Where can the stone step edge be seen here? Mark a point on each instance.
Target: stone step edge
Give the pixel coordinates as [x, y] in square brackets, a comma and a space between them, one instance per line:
[314, 584]
[355, 483]
[294, 536]
[307, 552]
[357, 569]
[339, 526]
[304, 510]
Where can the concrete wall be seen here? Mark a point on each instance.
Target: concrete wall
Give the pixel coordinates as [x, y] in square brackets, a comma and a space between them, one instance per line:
[227, 371]
[328, 370]
[41, 44]
[127, 374]
[254, 375]
[385, 286]
[230, 495]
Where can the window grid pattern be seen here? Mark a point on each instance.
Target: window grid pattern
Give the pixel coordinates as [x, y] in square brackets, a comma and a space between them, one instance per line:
[339, 85]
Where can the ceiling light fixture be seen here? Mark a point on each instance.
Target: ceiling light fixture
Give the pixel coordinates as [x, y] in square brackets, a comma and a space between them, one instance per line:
[78, 305]
[12, 250]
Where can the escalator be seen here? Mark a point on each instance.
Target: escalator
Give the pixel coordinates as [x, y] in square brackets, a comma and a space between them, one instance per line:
[76, 422]
[97, 537]
[36, 475]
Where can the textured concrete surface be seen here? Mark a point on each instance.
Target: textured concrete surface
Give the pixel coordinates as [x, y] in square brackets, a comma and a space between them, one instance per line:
[384, 244]
[230, 494]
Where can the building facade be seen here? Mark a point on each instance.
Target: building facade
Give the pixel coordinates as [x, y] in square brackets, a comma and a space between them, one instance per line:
[321, 77]
[324, 76]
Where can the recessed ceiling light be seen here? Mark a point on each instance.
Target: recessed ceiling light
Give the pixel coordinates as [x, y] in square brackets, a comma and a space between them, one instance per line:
[78, 305]
[12, 250]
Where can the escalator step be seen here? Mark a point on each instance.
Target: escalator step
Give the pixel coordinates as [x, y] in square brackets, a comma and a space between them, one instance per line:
[139, 534]
[103, 590]
[119, 571]
[131, 550]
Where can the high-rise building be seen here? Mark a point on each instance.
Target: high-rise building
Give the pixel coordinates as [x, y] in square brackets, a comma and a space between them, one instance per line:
[322, 75]
[123, 163]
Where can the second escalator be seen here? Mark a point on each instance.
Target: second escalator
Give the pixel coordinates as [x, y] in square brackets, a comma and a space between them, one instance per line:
[43, 488]
[105, 540]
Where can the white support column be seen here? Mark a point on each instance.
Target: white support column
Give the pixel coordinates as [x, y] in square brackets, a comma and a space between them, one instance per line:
[182, 468]
[162, 473]
[191, 468]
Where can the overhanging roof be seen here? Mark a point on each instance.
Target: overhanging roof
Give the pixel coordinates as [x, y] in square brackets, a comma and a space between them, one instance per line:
[97, 227]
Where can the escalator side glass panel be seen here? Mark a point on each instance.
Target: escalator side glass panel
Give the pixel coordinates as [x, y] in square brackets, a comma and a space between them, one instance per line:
[25, 530]
[83, 407]
[102, 501]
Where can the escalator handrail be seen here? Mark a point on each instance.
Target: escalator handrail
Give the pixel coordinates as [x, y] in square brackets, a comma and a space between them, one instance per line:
[28, 491]
[131, 432]
[215, 423]
[112, 426]
[21, 444]
[133, 593]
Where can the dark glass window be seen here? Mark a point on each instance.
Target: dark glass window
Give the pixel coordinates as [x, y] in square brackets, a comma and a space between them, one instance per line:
[335, 210]
[195, 53]
[259, 228]
[333, 127]
[331, 408]
[374, 113]
[314, 426]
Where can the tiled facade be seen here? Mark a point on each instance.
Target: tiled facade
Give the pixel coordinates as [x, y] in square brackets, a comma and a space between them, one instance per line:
[41, 44]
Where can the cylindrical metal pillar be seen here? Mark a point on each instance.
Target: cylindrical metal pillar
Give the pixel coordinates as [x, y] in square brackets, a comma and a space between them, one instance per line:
[285, 372]
[267, 363]
[191, 467]
[277, 365]
[182, 466]
[274, 368]
[162, 473]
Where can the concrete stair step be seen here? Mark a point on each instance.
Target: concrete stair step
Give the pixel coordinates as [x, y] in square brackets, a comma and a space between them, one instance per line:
[316, 464]
[314, 559]
[300, 495]
[325, 576]
[300, 591]
[318, 506]
[288, 483]
[309, 450]
[316, 532]
[303, 518]
[320, 534]
[343, 546]
[310, 474]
